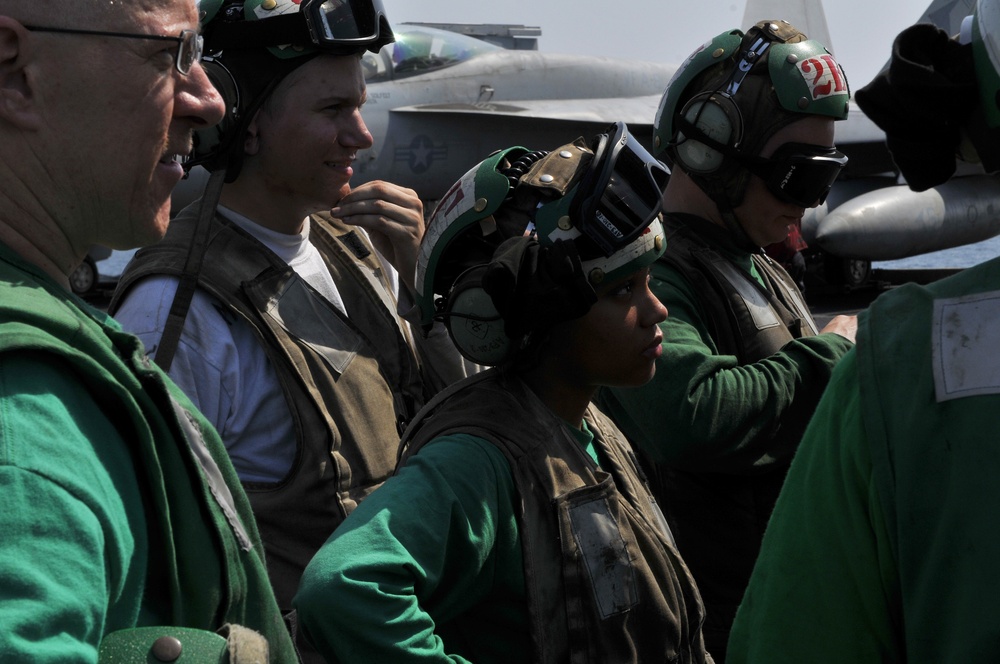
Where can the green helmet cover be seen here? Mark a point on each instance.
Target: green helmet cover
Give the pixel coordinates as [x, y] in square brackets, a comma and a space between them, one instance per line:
[473, 199]
[485, 207]
[805, 77]
[756, 92]
[207, 9]
[708, 55]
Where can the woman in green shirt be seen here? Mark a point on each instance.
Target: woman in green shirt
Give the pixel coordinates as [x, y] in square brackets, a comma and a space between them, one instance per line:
[518, 526]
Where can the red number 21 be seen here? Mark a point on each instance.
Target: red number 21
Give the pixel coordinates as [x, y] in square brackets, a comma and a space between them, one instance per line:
[827, 79]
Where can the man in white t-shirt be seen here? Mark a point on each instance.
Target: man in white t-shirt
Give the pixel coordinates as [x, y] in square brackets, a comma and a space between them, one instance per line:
[275, 301]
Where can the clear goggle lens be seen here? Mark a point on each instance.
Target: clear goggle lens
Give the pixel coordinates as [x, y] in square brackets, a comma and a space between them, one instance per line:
[337, 22]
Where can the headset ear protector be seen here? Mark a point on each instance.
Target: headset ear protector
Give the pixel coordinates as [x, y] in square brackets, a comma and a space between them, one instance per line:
[712, 115]
[213, 143]
[473, 322]
[797, 173]
[221, 146]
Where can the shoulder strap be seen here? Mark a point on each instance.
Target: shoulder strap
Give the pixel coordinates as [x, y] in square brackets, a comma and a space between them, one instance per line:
[192, 268]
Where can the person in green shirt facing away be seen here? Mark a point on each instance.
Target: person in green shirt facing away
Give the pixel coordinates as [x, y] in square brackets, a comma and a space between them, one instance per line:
[518, 526]
[883, 544]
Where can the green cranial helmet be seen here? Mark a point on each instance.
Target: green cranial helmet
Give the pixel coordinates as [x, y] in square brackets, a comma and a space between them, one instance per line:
[252, 45]
[736, 91]
[590, 214]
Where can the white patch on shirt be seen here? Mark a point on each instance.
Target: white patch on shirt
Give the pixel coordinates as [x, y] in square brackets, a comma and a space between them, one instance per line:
[965, 338]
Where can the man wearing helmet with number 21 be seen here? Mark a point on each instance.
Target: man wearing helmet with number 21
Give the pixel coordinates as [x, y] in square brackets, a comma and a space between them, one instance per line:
[883, 546]
[518, 526]
[274, 312]
[747, 123]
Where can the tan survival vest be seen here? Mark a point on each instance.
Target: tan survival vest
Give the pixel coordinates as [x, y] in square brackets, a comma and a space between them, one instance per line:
[718, 518]
[351, 383]
[604, 582]
[744, 318]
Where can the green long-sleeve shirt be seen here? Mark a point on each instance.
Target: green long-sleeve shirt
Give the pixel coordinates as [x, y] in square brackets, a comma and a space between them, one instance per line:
[428, 568]
[118, 506]
[826, 574]
[723, 431]
[702, 410]
[70, 497]
[883, 544]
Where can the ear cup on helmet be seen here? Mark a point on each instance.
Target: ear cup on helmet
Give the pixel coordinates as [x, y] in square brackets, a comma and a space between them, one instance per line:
[208, 142]
[717, 117]
[473, 321]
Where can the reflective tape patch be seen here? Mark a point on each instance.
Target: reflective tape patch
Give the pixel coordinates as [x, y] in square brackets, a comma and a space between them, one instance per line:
[605, 555]
[965, 338]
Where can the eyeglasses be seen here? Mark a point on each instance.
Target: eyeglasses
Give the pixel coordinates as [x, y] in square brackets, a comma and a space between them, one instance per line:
[190, 43]
[625, 185]
[799, 173]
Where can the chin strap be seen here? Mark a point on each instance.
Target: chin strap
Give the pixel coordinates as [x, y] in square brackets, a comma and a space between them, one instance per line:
[192, 269]
[735, 227]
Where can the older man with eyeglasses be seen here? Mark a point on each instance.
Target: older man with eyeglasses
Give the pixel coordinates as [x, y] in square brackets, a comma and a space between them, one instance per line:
[124, 534]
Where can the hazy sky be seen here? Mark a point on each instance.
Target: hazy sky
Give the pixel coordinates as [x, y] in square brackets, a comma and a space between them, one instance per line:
[668, 30]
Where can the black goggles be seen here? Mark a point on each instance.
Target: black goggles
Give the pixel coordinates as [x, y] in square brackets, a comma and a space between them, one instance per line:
[622, 191]
[799, 173]
[343, 22]
[331, 25]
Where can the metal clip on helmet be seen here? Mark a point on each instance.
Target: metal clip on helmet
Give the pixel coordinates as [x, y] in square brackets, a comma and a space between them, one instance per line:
[251, 45]
[735, 92]
[606, 199]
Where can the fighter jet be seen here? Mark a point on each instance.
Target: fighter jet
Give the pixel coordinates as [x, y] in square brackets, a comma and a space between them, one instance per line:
[440, 100]
[443, 96]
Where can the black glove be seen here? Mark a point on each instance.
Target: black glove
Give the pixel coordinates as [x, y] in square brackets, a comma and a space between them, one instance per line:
[921, 102]
[534, 287]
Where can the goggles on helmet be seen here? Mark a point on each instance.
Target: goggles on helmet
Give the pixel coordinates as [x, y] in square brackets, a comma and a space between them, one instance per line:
[327, 24]
[799, 173]
[626, 185]
[339, 22]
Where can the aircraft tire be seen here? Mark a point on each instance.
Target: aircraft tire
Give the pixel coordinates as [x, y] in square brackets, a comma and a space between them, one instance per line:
[83, 279]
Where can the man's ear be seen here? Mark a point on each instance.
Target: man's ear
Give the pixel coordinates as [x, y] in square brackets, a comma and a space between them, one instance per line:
[251, 141]
[17, 98]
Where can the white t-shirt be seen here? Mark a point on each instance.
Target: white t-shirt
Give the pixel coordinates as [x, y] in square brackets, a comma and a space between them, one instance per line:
[222, 366]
